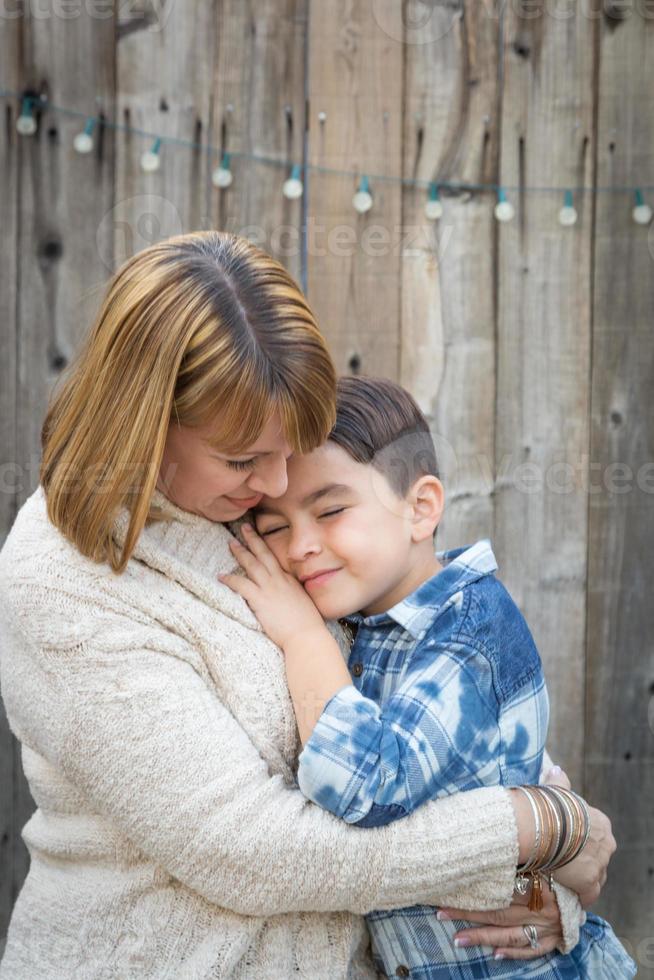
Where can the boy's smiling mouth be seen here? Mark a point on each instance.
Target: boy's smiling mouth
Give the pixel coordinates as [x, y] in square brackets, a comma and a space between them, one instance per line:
[318, 578]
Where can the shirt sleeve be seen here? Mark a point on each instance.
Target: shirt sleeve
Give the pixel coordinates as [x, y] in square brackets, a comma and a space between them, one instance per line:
[436, 735]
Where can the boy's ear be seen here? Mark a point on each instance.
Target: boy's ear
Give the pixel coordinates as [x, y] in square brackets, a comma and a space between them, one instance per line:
[427, 497]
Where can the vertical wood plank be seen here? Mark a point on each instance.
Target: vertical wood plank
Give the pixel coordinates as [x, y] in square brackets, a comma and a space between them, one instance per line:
[448, 341]
[355, 62]
[260, 109]
[544, 349]
[12, 860]
[54, 202]
[64, 197]
[620, 660]
[164, 88]
[10, 170]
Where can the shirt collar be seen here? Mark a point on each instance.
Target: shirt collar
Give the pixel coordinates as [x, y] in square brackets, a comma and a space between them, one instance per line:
[417, 611]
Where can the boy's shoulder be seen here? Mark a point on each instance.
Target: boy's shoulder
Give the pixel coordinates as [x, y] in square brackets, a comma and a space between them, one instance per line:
[487, 618]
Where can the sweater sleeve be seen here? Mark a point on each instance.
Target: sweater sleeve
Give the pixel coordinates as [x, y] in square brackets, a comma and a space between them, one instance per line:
[144, 737]
[572, 914]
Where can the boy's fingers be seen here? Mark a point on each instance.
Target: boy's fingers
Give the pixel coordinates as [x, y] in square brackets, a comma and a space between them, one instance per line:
[557, 777]
[249, 562]
[259, 548]
[243, 586]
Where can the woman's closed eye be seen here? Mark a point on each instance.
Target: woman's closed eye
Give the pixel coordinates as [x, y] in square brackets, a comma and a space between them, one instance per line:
[241, 464]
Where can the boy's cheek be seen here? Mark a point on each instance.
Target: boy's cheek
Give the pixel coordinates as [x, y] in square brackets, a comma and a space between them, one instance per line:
[281, 554]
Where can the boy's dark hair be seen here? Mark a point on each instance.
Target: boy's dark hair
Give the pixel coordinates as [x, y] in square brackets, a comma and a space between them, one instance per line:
[378, 422]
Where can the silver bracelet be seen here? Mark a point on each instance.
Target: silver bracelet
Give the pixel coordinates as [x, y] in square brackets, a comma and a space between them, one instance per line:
[531, 859]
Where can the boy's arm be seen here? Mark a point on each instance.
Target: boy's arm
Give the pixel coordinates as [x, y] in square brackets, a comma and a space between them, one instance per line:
[439, 733]
[314, 664]
[315, 672]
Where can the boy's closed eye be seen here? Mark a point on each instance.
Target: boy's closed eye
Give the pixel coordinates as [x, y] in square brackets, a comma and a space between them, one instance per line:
[265, 532]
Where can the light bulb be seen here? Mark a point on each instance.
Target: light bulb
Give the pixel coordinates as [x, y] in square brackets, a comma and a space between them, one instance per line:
[362, 200]
[293, 187]
[222, 176]
[568, 215]
[642, 213]
[83, 143]
[504, 210]
[26, 123]
[150, 160]
[433, 207]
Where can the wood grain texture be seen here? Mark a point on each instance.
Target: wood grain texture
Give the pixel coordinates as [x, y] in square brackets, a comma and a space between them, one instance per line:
[503, 333]
[164, 87]
[353, 262]
[259, 108]
[62, 202]
[14, 807]
[543, 354]
[55, 200]
[619, 760]
[447, 330]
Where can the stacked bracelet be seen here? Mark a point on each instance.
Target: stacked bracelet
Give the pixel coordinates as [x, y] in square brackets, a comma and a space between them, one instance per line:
[562, 828]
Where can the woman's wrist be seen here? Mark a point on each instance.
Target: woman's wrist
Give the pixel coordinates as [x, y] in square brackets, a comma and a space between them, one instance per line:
[525, 823]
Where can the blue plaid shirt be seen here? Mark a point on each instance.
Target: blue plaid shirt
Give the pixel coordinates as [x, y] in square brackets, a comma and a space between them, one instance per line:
[448, 695]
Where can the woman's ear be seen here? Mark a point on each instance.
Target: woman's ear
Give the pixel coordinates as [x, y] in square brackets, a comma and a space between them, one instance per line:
[427, 496]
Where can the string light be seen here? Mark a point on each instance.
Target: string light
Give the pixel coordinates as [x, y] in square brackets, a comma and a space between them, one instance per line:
[362, 200]
[26, 123]
[151, 160]
[433, 207]
[222, 176]
[568, 214]
[83, 142]
[642, 213]
[503, 209]
[293, 187]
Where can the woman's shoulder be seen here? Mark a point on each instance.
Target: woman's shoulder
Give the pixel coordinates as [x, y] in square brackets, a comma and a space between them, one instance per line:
[36, 550]
[47, 586]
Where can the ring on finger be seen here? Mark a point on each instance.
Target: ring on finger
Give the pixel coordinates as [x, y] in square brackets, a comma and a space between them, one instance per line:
[531, 932]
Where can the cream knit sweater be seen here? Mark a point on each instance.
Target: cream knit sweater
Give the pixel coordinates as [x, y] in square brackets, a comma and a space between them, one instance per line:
[159, 742]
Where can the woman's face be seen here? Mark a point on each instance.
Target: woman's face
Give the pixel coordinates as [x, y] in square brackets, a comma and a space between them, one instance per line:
[220, 486]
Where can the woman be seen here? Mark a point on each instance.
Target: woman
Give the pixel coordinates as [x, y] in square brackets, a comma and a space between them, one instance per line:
[158, 736]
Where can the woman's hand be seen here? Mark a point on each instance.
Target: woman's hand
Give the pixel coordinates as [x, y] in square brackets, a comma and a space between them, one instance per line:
[504, 930]
[277, 599]
[587, 873]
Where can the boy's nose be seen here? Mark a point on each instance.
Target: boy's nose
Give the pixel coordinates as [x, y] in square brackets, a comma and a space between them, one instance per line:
[302, 546]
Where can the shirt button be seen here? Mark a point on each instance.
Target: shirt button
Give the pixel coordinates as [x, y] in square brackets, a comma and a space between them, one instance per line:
[357, 670]
[403, 971]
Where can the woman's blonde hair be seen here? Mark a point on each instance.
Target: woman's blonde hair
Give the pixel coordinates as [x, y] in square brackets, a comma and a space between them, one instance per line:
[200, 329]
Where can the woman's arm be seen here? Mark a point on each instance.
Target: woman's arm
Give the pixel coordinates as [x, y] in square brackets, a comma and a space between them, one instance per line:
[133, 726]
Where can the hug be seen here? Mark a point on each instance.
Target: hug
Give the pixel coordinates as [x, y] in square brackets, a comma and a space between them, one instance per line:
[270, 730]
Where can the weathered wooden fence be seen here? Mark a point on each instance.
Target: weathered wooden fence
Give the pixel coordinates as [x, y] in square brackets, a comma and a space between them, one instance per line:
[530, 345]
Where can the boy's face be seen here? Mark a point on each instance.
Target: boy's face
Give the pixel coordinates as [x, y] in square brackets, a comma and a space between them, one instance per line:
[341, 531]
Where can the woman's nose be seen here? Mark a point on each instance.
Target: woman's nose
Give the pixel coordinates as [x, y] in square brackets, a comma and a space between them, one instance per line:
[271, 477]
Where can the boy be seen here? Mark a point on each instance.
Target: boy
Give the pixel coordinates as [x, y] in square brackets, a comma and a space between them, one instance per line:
[444, 690]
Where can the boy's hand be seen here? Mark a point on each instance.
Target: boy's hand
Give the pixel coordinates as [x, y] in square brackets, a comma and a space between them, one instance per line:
[277, 599]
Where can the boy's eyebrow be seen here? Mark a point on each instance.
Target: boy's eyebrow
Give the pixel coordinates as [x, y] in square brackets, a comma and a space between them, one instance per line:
[309, 499]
